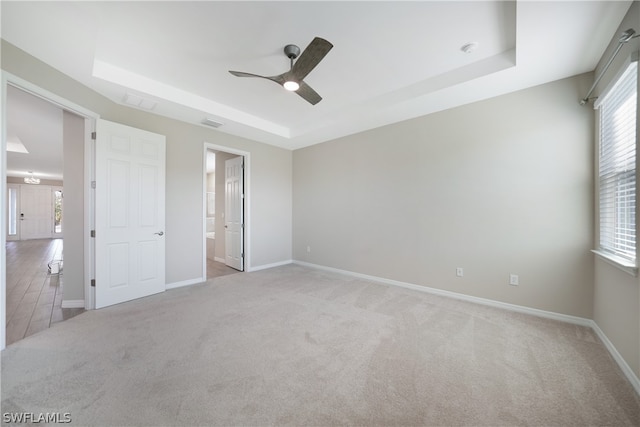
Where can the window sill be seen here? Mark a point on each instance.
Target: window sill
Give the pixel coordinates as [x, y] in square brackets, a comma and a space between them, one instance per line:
[623, 264]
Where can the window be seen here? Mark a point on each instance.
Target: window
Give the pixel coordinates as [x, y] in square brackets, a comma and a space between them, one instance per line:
[13, 211]
[617, 167]
[57, 211]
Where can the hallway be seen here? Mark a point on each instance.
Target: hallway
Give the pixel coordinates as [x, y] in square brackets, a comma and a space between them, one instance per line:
[34, 296]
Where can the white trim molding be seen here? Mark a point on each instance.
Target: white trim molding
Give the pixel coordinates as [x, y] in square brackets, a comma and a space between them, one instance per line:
[624, 265]
[628, 372]
[266, 266]
[488, 302]
[624, 366]
[72, 303]
[184, 283]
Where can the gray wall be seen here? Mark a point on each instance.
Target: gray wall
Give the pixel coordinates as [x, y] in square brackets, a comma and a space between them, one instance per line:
[271, 209]
[497, 187]
[617, 294]
[73, 190]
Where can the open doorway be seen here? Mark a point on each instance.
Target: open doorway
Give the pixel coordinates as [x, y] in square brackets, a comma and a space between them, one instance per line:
[225, 198]
[38, 134]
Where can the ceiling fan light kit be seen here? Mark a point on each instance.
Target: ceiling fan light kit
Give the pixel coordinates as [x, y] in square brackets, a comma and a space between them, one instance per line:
[293, 80]
[291, 85]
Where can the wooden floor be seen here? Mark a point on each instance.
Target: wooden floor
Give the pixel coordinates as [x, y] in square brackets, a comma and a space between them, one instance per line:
[34, 296]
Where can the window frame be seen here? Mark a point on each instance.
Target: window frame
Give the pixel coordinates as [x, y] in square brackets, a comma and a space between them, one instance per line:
[627, 265]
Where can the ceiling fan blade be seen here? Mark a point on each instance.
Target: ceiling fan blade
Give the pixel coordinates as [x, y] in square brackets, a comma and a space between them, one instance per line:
[310, 95]
[243, 74]
[311, 56]
[278, 79]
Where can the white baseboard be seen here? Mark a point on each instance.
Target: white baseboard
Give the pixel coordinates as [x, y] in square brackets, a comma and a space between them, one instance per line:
[72, 303]
[185, 283]
[217, 258]
[266, 266]
[492, 303]
[628, 372]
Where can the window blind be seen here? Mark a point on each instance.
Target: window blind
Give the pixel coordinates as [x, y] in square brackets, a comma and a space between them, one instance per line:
[617, 166]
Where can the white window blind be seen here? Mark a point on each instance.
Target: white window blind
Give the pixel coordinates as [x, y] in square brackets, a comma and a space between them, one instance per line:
[617, 166]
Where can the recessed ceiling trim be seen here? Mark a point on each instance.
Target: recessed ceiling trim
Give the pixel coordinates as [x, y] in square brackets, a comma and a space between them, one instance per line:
[130, 80]
[15, 145]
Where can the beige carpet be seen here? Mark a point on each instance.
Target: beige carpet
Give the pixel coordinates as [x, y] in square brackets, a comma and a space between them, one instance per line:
[296, 346]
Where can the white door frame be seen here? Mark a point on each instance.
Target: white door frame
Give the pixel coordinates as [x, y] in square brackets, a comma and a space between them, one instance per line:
[90, 120]
[247, 203]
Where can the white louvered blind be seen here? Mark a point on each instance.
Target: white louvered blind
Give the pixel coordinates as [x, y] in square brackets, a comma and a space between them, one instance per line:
[617, 166]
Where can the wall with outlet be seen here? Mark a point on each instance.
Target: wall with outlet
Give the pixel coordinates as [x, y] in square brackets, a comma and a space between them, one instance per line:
[497, 188]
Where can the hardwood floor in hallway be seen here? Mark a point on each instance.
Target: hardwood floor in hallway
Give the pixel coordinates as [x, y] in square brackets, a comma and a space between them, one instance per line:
[34, 295]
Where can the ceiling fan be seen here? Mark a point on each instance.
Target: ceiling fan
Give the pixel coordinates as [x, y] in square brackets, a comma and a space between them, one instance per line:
[292, 80]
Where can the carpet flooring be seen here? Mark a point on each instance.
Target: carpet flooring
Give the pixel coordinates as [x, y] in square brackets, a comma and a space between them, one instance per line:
[297, 346]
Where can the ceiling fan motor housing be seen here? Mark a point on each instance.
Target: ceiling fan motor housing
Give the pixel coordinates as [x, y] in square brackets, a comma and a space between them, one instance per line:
[292, 51]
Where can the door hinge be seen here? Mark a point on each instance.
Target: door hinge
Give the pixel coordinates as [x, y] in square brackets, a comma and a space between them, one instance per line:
[93, 233]
[94, 135]
[93, 283]
[93, 184]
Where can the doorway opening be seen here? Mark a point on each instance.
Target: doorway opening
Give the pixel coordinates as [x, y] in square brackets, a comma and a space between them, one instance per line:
[225, 204]
[71, 199]
[34, 178]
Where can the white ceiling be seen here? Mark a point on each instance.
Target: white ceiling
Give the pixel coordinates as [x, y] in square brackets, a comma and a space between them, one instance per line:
[391, 61]
[38, 125]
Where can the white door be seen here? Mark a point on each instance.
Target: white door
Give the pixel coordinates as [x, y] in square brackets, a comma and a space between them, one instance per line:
[234, 213]
[36, 212]
[129, 222]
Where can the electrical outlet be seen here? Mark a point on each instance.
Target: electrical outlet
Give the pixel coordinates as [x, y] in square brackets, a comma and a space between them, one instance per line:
[308, 249]
[459, 272]
[513, 280]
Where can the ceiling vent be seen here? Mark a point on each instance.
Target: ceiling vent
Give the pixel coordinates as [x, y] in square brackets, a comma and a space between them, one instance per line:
[210, 122]
[138, 101]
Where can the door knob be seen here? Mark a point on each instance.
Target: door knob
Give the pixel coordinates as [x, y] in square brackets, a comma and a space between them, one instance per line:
[160, 233]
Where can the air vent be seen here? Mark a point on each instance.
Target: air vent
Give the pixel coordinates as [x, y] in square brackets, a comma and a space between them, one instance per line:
[210, 122]
[138, 101]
